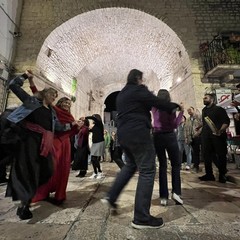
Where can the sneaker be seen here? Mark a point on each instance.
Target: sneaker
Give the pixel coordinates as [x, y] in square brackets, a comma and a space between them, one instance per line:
[94, 175]
[100, 175]
[177, 199]
[207, 178]
[187, 168]
[152, 223]
[163, 201]
[110, 205]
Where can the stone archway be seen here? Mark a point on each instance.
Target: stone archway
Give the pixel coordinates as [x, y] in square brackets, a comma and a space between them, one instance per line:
[110, 109]
[98, 48]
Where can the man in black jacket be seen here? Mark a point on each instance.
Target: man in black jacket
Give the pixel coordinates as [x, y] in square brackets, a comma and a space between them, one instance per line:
[134, 103]
[214, 144]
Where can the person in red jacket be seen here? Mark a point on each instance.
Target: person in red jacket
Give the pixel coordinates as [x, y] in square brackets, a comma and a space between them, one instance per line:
[61, 154]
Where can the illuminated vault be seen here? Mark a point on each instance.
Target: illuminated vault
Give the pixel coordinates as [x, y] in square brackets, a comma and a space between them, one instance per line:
[100, 47]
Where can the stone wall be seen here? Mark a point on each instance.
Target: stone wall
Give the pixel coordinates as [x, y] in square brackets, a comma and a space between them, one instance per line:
[9, 16]
[194, 21]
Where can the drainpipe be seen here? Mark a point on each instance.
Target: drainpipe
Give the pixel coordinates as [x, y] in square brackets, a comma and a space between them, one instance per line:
[5, 94]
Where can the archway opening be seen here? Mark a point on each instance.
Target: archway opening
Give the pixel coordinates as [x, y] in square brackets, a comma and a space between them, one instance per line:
[98, 48]
[110, 110]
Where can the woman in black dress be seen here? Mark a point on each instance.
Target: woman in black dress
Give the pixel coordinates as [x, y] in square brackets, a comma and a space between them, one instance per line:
[97, 149]
[33, 165]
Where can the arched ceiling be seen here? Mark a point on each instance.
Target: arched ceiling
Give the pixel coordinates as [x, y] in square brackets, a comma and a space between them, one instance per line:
[103, 45]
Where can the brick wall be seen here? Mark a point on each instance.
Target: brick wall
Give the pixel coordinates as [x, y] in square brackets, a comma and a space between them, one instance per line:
[194, 21]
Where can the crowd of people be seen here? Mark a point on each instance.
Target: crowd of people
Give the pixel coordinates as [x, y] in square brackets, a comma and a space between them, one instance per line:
[42, 135]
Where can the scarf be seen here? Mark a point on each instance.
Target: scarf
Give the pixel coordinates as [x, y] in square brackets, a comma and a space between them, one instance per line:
[63, 115]
[47, 137]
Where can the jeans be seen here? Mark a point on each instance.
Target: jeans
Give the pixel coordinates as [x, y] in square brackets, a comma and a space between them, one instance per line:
[107, 154]
[168, 142]
[187, 148]
[141, 157]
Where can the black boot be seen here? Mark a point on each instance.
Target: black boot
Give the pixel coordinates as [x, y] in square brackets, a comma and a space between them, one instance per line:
[24, 212]
[207, 178]
[82, 173]
[222, 178]
[55, 201]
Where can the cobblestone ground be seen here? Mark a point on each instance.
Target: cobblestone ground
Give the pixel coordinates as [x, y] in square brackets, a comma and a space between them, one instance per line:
[211, 210]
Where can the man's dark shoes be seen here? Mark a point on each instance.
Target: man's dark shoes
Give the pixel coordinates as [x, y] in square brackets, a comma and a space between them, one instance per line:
[152, 223]
[24, 213]
[222, 178]
[207, 178]
[195, 170]
[80, 175]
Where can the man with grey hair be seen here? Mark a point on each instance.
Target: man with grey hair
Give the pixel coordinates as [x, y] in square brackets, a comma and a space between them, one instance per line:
[193, 136]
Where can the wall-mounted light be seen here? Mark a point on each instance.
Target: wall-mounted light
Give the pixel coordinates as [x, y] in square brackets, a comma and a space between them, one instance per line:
[179, 79]
[180, 54]
[16, 34]
[49, 52]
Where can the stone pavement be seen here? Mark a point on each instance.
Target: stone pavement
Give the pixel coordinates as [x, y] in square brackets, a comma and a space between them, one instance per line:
[211, 210]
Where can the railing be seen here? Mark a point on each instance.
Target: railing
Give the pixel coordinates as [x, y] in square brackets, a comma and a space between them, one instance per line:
[223, 49]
